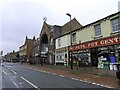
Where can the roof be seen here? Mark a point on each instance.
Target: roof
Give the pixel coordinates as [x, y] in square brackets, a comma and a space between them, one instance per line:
[74, 25]
[90, 24]
[27, 40]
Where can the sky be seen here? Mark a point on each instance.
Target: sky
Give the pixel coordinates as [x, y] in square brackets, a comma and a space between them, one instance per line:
[21, 18]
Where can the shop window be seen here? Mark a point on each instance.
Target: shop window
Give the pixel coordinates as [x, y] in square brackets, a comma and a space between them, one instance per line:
[117, 53]
[60, 56]
[107, 54]
[115, 24]
[97, 29]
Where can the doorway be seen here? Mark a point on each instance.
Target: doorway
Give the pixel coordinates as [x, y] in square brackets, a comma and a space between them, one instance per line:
[94, 56]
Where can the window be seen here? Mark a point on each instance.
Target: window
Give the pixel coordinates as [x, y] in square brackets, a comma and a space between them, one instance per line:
[59, 42]
[60, 56]
[51, 41]
[74, 38]
[97, 29]
[51, 29]
[115, 24]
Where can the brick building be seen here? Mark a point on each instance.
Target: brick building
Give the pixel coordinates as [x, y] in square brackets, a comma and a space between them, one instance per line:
[25, 51]
[47, 39]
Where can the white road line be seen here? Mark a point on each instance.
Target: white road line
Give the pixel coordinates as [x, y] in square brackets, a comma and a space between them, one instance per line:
[94, 83]
[30, 83]
[13, 72]
[76, 79]
[15, 83]
[61, 76]
[48, 72]
[4, 72]
[53, 74]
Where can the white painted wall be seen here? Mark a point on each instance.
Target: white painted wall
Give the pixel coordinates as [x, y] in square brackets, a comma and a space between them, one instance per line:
[65, 41]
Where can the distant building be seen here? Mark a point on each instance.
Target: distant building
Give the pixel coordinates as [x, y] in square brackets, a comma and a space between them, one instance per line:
[11, 56]
[25, 51]
[35, 52]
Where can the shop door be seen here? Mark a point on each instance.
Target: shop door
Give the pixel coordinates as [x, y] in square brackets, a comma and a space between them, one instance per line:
[94, 56]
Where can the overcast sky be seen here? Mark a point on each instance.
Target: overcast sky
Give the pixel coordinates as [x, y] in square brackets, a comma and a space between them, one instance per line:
[21, 18]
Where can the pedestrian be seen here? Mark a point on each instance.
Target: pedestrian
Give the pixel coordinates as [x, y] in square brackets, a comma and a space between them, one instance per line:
[22, 60]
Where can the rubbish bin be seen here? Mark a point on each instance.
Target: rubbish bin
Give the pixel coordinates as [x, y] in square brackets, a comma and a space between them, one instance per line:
[111, 66]
[115, 67]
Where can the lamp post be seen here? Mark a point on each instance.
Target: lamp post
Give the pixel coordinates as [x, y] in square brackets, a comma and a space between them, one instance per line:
[70, 41]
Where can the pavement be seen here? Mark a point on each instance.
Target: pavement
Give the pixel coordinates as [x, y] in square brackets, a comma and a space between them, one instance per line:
[92, 75]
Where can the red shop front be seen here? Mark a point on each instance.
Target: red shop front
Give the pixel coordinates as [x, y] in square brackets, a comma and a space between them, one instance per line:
[106, 49]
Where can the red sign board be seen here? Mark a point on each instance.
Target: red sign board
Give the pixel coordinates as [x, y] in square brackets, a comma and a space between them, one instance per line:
[96, 43]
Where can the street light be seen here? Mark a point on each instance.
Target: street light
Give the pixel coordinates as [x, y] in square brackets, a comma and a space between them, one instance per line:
[70, 40]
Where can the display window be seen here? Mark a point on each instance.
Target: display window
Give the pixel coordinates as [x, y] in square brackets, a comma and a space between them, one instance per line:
[82, 56]
[117, 47]
[107, 54]
[60, 56]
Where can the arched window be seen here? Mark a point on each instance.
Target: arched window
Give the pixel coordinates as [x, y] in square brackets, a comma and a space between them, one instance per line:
[51, 41]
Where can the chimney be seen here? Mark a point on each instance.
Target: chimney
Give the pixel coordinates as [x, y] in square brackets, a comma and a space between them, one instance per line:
[26, 37]
[34, 38]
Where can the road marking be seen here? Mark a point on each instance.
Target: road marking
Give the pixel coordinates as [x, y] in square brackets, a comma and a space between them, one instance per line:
[15, 83]
[73, 78]
[30, 83]
[61, 76]
[81, 80]
[77, 79]
[4, 72]
[13, 72]
[48, 72]
[94, 83]
[53, 74]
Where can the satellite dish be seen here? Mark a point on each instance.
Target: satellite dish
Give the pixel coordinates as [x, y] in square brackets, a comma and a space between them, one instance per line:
[44, 19]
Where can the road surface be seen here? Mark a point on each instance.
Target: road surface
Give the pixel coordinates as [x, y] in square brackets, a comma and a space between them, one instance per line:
[15, 75]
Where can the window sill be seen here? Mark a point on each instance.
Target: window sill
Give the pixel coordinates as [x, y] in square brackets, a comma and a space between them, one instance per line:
[95, 37]
[73, 43]
[114, 33]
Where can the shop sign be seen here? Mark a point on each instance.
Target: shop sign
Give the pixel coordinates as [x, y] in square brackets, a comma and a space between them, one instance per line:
[96, 43]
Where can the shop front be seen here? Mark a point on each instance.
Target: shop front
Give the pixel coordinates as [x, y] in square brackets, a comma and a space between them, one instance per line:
[61, 57]
[103, 53]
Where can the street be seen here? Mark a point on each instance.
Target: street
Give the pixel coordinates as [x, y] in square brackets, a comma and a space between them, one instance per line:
[15, 75]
